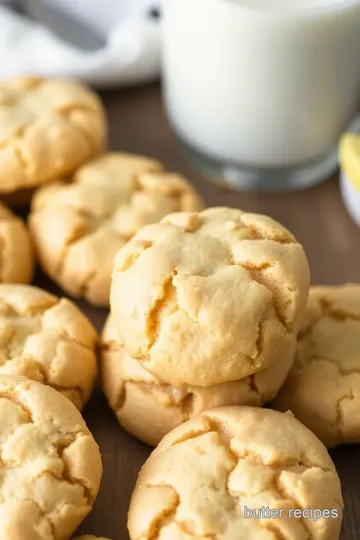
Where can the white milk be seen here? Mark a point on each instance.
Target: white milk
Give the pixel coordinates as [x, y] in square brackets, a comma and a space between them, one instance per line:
[269, 83]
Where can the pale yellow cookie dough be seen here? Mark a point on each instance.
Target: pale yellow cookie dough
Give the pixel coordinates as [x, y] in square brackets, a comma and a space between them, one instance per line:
[16, 253]
[48, 127]
[149, 408]
[210, 297]
[198, 481]
[47, 339]
[78, 228]
[323, 388]
[50, 468]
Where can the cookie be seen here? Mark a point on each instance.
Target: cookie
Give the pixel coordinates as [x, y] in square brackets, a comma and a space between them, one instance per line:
[211, 297]
[50, 463]
[16, 253]
[323, 388]
[78, 228]
[47, 339]
[149, 408]
[209, 473]
[48, 127]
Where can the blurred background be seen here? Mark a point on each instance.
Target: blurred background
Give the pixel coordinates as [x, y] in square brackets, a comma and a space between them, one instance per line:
[102, 42]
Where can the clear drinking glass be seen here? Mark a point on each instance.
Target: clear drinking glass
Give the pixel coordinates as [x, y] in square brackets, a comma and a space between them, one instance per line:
[259, 91]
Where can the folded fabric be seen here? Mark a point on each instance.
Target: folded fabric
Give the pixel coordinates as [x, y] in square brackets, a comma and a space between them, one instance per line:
[102, 42]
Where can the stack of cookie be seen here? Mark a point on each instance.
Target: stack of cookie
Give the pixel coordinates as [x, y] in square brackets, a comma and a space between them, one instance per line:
[205, 310]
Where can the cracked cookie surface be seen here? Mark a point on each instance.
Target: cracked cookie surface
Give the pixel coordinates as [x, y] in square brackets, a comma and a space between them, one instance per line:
[48, 127]
[79, 227]
[50, 464]
[210, 297]
[16, 253]
[149, 408]
[198, 481]
[323, 388]
[47, 339]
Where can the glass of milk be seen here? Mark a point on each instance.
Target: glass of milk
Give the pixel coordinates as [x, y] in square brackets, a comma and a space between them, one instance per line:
[259, 91]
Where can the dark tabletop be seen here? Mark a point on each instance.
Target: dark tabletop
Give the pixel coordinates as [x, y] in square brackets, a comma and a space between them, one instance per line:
[316, 216]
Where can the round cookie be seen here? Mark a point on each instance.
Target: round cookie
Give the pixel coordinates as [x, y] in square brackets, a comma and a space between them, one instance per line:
[47, 339]
[323, 388]
[78, 228]
[149, 409]
[50, 463]
[48, 127]
[205, 473]
[17, 259]
[210, 297]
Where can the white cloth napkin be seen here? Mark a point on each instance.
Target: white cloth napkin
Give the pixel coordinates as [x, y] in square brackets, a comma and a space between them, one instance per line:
[113, 42]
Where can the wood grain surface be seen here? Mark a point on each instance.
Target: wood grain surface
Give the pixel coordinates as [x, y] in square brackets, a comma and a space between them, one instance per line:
[316, 216]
